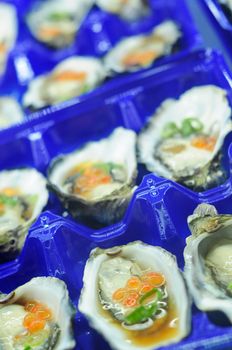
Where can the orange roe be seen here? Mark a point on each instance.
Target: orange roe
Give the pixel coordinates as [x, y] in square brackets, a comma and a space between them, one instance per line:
[154, 279]
[146, 287]
[37, 316]
[119, 294]
[204, 142]
[139, 58]
[133, 283]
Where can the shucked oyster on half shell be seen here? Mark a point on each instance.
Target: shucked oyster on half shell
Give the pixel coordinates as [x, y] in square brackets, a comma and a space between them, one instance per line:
[208, 260]
[56, 22]
[140, 51]
[72, 77]
[37, 316]
[130, 9]
[97, 181]
[23, 195]
[183, 139]
[10, 112]
[8, 32]
[135, 296]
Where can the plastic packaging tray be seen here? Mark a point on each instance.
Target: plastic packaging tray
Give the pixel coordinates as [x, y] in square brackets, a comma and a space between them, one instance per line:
[59, 246]
[99, 32]
[220, 15]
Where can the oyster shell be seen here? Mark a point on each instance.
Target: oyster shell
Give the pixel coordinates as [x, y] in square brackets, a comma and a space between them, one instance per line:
[8, 32]
[133, 295]
[208, 260]
[141, 51]
[97, 181]
[70, 78]
[37, 315]
[56, 22]
[23, 195]
[10, 112]
[227, 4]
[182, 141]
[130, 10]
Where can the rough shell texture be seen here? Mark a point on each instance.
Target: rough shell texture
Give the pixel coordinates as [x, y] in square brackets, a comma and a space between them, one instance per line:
[119, 147]
[30, 182]
[211, 233]
[160, 41]
[149, 257]
[8, 34]
[36, 96]
[208, 103]
[53, 293]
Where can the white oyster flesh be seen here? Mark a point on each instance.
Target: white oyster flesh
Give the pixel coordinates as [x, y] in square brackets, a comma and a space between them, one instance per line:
[112, 271]
[72, 77]
[56, 333]
[10, 112]
[8, 32]
[56, 22]
[114, 157]
[179, 155]
[208, 262]
[130, 9]
[141, 51]
[23, 195]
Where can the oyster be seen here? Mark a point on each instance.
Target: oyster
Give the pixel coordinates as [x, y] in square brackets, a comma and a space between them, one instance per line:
[10, 112]
[8, 32]
[23, 195]
[208, 259]
[56, 22]
[227, 5]
[134, 295]
[97, 181]
[183, 139]
[141, 51]
[70, 78]
[130, 9]
[37, 315]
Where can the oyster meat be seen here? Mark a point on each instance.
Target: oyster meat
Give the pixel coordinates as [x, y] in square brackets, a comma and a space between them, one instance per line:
[56, 22]
[23, 195]
[140, 51]
[208, 259]
[130, 9]
[37, 316]
[182, 141]
[135, 296]
[97, 181]
[10, 112]
[72, 77]
[8, 32]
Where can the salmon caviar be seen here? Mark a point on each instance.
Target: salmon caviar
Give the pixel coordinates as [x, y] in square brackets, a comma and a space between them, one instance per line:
[133, 283]
[206, 143]
[37, 316]
[136, 287]
[154, 278]
[119, 294]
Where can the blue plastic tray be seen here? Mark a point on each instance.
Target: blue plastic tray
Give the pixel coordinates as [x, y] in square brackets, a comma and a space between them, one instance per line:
[217, 10]
[99, 32]
[59, 247]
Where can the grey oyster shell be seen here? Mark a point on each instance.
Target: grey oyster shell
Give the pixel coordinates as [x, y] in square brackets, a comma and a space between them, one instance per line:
[108, 205]
[51, 292]
[109, 269]
[208, 260]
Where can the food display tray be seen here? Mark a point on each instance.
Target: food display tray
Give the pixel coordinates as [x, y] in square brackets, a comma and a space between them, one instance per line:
[58, 246]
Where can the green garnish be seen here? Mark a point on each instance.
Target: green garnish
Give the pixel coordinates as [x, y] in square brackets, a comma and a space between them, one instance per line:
[147, 295]
[12, 201]
[229, 286]
[59, 16]
[170, 130]
[107, 167]
[191, 126]
[143, 312]
[27, 347]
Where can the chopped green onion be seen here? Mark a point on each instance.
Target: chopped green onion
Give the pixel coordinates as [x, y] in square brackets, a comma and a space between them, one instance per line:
[229, 286]
[141, 314]
[152, 292]
[169, 130]
[27, 347]
[12, 201]
[190, 126]
[59, 16]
